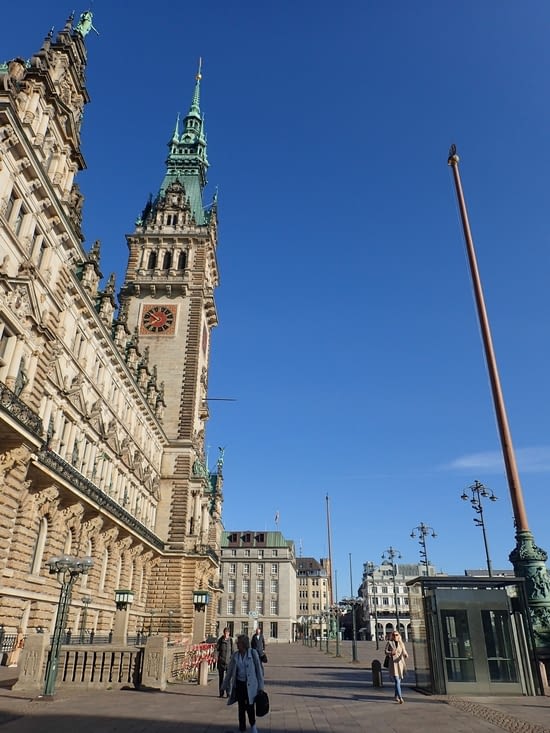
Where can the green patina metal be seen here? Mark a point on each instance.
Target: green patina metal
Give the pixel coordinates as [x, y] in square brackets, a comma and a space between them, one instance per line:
[187, 160]
[529, 563]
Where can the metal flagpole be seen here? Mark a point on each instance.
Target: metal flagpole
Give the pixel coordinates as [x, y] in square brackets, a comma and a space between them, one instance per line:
[528, 559]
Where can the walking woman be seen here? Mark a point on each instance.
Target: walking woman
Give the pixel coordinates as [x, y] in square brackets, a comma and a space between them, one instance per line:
[244, 679]
[395, 649]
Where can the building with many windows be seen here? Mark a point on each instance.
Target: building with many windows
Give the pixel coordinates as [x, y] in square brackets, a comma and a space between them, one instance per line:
[258, 574]
[102, 401]
[385, 599]
[314, 594]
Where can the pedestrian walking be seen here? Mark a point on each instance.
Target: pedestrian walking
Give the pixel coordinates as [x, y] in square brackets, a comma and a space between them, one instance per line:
[224, 651]
[257, 642]
[243, 681]
[397, 655]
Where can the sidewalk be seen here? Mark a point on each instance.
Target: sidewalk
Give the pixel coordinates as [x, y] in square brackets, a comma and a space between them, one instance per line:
[310, 692]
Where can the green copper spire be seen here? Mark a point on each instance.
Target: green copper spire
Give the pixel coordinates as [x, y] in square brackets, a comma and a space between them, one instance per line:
[176, 135]
[187, 160]
[195, 104]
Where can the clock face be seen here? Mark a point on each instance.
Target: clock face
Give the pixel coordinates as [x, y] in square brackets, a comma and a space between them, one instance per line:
[158, 319]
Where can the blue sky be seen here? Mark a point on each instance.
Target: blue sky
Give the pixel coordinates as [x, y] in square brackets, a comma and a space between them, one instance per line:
[348, 334]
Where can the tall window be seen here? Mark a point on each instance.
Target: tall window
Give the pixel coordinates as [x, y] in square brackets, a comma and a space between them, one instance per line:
[244, 608]
[273, 608]
[274, 568]
[259, 586]
[274, 586]
[260, 568]
[103, 574]
[274, 629]
[232, 568]
[246, 585]
[230, 607]
[38, 551]
[246, 568]
[231, 585]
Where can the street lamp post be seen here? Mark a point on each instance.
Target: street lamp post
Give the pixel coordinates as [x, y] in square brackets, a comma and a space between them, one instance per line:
[478, 490]
[86, 601]
[336, 613]
[68, 569]
[422, 531]
[353, 621]
[370, 572]
[389, 556]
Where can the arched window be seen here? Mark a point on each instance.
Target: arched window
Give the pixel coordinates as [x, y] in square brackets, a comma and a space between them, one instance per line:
[152, 261]
[103, 570]
[118, 573]
[84, 576]
[167, 264]
[38, 551]
[182, 261]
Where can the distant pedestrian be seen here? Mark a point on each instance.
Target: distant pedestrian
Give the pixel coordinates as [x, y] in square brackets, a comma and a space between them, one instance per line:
[243, 681]
[257, 642]
[397, 654]
[224, 651]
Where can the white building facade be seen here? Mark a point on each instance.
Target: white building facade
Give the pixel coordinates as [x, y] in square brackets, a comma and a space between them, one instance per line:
[258, 574]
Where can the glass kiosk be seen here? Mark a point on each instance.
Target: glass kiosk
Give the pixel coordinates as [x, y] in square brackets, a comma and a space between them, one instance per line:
[472, 636]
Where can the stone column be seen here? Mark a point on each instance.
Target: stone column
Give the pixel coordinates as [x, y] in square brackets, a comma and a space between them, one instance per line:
[31, 663]
[154, 663]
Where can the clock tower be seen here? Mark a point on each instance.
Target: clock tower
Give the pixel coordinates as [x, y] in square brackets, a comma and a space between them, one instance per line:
[168, 304]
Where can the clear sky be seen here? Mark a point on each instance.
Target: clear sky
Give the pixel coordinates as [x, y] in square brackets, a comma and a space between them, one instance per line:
[348, 334]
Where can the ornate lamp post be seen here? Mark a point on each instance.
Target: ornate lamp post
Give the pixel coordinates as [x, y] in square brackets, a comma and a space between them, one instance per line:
[388, 556]
[86, 601]
[528, 559]
[422, 531]
[68, 569]
[371, 567]
[478, 490]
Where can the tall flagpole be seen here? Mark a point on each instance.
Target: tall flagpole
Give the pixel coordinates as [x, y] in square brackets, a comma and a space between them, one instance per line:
[330, 586]
[528, 559]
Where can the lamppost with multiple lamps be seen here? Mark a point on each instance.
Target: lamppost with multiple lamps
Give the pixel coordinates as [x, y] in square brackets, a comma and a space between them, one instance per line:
[371, 568]
[422, 531]
[477, 492]
[67, 569]
[388, 557]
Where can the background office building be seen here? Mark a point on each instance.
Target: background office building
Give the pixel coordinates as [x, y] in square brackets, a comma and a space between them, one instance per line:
[258, 574]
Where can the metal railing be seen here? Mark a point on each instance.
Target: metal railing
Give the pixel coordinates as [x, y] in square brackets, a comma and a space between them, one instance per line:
[186, 663]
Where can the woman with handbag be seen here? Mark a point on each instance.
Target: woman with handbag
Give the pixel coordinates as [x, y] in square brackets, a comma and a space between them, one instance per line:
[244, 679]
[396, 654]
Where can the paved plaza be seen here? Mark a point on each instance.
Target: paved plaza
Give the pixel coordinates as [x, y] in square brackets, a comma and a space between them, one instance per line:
[310, 691]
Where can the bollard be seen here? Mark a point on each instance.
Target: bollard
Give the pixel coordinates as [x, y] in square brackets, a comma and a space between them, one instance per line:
[203, 672]
[376, 668]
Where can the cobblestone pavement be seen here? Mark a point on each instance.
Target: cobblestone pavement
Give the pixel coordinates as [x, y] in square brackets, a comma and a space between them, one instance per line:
[310, 692]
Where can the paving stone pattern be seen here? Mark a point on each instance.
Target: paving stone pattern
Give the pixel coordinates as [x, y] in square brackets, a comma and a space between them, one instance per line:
[310, 692]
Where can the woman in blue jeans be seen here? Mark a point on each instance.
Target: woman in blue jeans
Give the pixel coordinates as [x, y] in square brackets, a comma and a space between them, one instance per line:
[395, 649]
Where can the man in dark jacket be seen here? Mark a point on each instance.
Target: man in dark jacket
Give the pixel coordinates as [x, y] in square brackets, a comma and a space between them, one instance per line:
[257, 642]
[224, 650]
